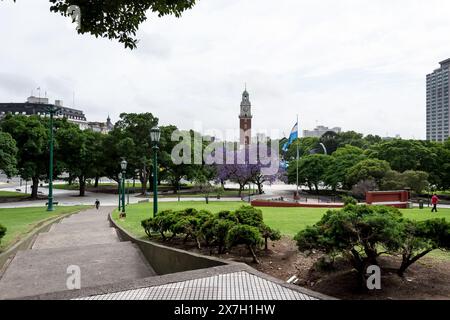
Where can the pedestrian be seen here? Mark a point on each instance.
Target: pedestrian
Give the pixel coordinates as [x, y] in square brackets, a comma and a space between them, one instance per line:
[97, 204]
[434, 202]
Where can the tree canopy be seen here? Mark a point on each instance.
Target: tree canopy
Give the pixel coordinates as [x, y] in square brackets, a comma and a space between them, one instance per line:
[119, 19]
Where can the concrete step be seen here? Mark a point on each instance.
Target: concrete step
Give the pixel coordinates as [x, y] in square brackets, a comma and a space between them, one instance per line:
[85, 219]
[34, 272]
[87, 226]
[50, 240]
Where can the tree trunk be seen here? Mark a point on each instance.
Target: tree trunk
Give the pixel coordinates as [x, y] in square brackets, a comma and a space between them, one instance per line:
[199, 246]
[96, 182]
[266, 246]
[143, 179]
[359, 264]
[176, 185]
[82, 181]
[407, 261]
[260, 188]
[252, 251]
[35, 187]
[317, 187]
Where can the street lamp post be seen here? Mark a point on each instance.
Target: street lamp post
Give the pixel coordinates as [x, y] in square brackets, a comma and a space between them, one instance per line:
[52, 110]
[155, 136]
[119, 185]
[123, 165]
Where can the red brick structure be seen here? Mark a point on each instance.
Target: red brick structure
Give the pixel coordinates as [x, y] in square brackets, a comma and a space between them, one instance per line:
[399, 199]
[282, 204]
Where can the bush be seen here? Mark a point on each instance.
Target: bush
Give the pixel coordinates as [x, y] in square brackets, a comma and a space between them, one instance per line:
[221, 229]
[161, 223]
[250, 216]
[349, 200]
[228, 215]
[269, 233]
[359, 232]
[2, 232]
[189, 223]
[245, 235]
[213, 230]
[420, 238]
[355, 232]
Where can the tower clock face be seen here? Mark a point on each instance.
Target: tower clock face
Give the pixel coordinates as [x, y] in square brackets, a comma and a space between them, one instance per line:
[246, 109]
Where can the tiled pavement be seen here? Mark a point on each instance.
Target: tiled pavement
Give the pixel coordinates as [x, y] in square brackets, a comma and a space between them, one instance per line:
[233, 286]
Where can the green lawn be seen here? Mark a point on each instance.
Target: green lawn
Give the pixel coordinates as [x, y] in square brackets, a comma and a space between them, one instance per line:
[288, 220]
[21, 221]
[8, 194]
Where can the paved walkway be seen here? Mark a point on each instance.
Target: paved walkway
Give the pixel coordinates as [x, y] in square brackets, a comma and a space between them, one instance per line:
[85, 240]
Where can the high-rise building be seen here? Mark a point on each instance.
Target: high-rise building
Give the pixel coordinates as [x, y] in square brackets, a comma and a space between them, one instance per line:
[438, 104]
[245, 120]
[319, 131]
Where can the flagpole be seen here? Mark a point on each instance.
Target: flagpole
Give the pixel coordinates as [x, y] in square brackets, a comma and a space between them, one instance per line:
[297, 151]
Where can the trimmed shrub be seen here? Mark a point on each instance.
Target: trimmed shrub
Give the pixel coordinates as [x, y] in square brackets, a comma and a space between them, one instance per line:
[356, 233]
[250, 216]
[245, 235]
[349, 200]
[269, 233]
[420, 238]
[2, 232]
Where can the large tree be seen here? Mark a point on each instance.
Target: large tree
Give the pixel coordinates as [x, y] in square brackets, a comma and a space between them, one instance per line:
[305, 147]
[81, 153]
[312, 170]
[119, 19]
[344, 159]
[8, 154]
[401, 154]
[131, 135]
[31, 135]
[369, 169]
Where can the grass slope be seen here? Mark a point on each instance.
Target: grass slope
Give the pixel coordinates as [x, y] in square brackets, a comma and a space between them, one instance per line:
[22, 221]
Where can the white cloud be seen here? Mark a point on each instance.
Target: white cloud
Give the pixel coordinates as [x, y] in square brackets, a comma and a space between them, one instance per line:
[359, 64]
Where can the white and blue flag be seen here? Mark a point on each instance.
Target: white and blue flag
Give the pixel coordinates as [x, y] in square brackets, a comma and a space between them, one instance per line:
[292, 137]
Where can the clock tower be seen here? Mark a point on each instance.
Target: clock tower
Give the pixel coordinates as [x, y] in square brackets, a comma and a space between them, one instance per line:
[245, 119]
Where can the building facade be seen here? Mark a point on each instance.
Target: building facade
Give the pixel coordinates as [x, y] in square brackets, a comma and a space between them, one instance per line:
[245, 120]
[438, 103]
[319, 131]
[38, 106]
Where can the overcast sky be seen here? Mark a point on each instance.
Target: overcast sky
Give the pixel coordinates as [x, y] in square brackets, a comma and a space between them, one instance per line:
[357, 64]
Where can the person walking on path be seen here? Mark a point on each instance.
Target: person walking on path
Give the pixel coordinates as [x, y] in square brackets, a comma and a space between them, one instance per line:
[434, 202]
[97, 204]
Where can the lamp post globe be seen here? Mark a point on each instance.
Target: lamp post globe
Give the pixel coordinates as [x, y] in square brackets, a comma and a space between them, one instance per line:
[124, 165]
[155, 136]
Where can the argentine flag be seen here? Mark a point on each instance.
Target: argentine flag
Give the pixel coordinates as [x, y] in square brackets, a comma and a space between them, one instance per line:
[293, 136]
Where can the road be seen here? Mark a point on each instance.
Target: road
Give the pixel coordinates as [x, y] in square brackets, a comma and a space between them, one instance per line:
[71, 198]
